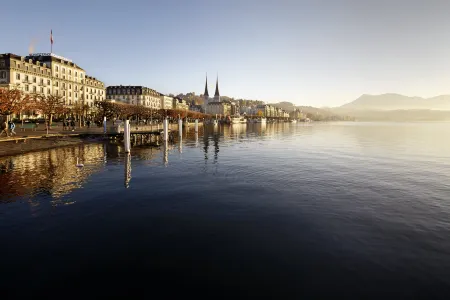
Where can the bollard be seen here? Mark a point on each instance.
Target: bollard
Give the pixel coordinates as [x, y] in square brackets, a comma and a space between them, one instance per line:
[165, 129]
[126, 136]
[104, 125]
[196, 125]
[180, 127]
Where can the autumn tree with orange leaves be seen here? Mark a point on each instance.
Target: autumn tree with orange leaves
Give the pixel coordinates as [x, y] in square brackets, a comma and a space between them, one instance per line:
[12, 101]
[49, 105]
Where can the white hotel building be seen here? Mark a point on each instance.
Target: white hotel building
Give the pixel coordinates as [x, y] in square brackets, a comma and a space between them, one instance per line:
[47, 73]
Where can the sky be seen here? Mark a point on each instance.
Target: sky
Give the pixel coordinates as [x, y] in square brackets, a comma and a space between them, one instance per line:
[318, 53]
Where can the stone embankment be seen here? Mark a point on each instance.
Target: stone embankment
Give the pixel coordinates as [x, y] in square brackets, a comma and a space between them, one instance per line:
[14, 146]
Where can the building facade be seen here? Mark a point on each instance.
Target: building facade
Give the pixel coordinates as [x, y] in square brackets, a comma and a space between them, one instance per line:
[166, 101]
[219, 108]
[179, 103]
[134, 95]
[50, 74]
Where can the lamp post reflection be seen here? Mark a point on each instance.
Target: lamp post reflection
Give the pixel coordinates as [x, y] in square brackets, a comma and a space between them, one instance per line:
[127, 170]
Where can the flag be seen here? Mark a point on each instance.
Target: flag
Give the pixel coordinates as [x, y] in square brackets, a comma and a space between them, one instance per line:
[51, 36]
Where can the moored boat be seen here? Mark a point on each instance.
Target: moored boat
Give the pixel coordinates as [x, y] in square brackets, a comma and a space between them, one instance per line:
[238, 120]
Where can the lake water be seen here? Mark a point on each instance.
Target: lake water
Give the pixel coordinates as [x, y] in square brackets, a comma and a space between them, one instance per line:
[280, 211]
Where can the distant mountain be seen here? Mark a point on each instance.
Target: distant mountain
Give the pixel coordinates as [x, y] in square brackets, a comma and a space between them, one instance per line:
[386, 102]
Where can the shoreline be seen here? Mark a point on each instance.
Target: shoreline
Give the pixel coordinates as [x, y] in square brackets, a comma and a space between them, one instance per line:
[22, 145]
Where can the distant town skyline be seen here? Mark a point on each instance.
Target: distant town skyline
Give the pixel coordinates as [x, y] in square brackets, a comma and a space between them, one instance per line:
[318, 53]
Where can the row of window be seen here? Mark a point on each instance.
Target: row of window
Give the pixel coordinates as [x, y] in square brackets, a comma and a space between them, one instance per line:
[63, 70]
[130, 92]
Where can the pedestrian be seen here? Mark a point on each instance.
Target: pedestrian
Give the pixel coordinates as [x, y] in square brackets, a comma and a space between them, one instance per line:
[89, 123]
[64, 125]
[72, 123]
[4, 128]
[12, 126]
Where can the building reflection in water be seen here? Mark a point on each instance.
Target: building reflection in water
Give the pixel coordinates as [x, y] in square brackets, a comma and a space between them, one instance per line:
[50, 172]
[127, 170]
[54, 172]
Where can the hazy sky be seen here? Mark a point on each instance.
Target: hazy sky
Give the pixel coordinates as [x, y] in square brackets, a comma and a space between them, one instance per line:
[307, 52]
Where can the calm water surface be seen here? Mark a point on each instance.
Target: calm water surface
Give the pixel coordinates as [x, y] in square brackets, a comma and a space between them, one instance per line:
[280, 211]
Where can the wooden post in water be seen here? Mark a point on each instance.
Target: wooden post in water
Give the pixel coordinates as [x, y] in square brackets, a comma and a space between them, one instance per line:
[104, 125]
[180, 127]
[126, 136]
[196, 125]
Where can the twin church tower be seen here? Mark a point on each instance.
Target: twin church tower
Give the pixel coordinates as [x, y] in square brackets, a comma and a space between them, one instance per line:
[206, 98]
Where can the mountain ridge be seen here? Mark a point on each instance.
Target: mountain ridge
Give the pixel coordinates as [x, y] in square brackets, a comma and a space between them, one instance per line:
[393, 101]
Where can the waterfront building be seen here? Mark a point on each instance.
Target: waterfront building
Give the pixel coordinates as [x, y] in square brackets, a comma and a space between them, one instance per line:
[134, 95]
[179, 103]
[215, 106]
[50, 74]
[263, 110]
[296, 114]
[234, 110]
[166, 101]
[194, 107]
[219, 108]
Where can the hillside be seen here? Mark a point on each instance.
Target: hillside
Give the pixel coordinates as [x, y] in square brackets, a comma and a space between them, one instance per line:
[386, 102]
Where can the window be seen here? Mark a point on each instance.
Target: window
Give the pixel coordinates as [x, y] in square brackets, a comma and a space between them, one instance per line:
[48, 81]
[34, 89]
[70, 72]
[34, 70]
[34, 79]
[70, 94]
[70, 86]
[76, 88]
[57, 83]
[81, 75]
[26, 88]
[76, 73]
[42, 90]
[64, 93]
[63, 85]
[42, 81]
[48, 91]
[56, 69]
[2, 63]
[76, 95]
[63, 71]
[2, 74]
[26, 68]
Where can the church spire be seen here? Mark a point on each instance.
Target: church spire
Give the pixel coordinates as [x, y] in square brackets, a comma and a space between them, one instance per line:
[216, 94]
[206, 86]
